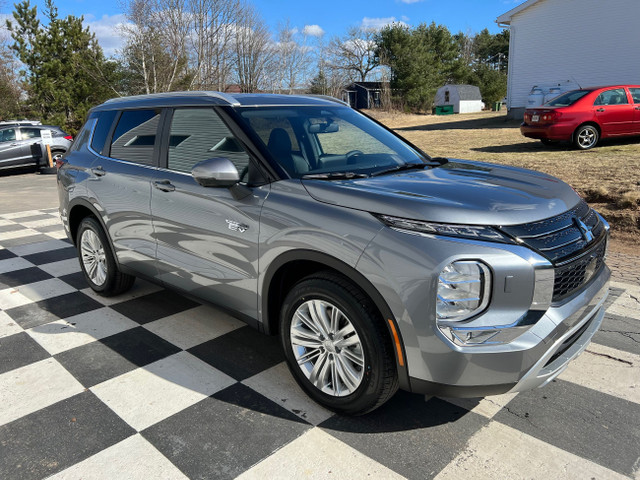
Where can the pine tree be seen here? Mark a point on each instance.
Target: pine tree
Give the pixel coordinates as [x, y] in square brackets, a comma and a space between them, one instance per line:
[66, 71]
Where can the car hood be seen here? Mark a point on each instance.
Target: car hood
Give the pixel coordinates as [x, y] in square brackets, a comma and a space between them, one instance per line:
[458, 192]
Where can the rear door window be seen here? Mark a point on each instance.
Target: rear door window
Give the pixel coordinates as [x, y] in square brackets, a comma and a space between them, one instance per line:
[617, 96]
[28, 133]
[135, 135]
[103, 126]
[635, 94]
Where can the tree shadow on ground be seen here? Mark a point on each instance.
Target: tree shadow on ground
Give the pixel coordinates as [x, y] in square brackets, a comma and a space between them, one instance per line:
[522, 147]
[473, 124]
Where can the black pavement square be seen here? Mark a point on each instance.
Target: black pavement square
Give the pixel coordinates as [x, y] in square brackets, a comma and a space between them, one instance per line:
[17, 351]
[242, 353]
[622, 333]
[585, 422]
[5, 254]
[23, 276]
[32, 218]
[409, 435]
[49, 228]
[52, 309]
[51, 256]
[15, 242]
[12, 227]
[226, 434]
[614, 294]
[58, 436]
[76, 280]
[112, 356]
[154, 306]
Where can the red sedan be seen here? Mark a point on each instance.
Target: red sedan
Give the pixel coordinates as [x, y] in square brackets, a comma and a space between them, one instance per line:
[585, 116]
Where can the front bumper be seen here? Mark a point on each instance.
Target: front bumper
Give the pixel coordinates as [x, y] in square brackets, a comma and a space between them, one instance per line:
[564, 332]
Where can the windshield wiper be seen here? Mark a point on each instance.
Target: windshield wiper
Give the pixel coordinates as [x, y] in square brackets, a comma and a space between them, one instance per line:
[334, 176]
[405, 166]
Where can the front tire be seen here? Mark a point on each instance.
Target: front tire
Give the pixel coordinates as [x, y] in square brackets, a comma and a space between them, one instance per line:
[586, 137]
[97, 261]
[337, 346]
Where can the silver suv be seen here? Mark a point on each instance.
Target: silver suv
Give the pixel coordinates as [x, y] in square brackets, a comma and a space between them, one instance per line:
[378, 266]
[21, 144]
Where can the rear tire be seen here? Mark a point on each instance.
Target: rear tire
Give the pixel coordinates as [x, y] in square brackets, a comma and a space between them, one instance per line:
[97, 261]
[586, 137]
[337, 346]
[44, 167]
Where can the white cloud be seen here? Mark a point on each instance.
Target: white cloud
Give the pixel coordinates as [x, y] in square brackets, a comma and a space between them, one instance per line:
[369, 23]
[108, 31]
[313, 30]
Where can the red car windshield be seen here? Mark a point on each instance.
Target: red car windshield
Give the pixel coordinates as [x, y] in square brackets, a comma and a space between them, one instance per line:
[568, 98]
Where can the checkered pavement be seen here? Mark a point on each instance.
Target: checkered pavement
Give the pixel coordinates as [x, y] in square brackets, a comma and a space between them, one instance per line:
[153, 385]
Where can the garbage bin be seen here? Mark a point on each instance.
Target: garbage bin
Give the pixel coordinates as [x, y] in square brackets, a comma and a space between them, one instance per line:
[444, 109]
[497, 106]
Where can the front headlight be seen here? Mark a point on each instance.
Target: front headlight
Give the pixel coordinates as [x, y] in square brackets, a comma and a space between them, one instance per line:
[463, 290]
[475, 232]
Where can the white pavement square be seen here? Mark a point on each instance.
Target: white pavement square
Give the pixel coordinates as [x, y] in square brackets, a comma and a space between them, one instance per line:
[152, 393]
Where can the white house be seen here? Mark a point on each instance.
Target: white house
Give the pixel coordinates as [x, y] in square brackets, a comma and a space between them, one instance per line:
[588, 42]
[464, 98]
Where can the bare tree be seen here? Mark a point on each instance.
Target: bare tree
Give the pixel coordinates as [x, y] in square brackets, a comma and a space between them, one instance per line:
[291, 55]
[253, 49]
[155, 47]
[211, 40]
[10, 88]
[354, 53]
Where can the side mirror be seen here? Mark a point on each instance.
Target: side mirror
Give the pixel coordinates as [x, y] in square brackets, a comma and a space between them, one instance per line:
[215, 172]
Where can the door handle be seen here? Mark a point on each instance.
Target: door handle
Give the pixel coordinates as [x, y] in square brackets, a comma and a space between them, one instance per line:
[13, 144]
[164, 185]
[600, 110]
[98, 171]
[637, 108]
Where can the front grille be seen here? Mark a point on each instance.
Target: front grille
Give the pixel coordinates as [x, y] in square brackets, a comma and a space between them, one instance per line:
[574, 241]
[576, 273]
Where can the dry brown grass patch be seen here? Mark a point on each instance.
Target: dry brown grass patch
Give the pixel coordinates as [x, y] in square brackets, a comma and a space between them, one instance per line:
[608, 176]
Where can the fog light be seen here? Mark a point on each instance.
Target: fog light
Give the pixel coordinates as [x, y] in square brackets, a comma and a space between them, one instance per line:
[463, 290]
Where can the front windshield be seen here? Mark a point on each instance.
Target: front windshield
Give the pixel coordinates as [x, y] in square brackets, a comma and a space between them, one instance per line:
[568, 98]
[313, 140]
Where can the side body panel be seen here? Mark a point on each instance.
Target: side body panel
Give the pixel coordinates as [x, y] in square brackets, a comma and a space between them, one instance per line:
[123, 192]
[207, 241]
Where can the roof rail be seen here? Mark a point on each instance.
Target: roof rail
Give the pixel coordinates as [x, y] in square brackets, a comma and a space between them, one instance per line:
[195, 93]
[327, 97]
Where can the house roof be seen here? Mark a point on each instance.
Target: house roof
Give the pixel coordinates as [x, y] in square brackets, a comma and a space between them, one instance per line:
[366, 85]
[466, 92]
[505, 18]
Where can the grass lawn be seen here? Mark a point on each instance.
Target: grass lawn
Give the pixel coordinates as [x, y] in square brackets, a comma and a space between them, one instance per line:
[607, 176]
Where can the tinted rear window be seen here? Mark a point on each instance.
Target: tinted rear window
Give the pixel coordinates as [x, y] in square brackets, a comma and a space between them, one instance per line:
[135, 136]
[105, 120]
[568, 98]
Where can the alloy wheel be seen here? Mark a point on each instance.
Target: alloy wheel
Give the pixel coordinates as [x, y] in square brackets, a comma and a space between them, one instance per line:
[93, 257]
[327, 348]
[587, 137]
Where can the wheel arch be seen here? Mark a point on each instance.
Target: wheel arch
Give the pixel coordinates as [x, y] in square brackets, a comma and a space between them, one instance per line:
[292, 266]
[80, 208]
[588, 122]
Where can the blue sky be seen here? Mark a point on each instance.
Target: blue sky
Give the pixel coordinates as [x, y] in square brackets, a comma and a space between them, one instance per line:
[333, 17]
